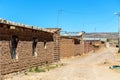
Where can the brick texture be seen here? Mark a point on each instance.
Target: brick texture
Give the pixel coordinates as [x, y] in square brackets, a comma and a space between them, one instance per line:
[68, 48]
[25, 58]
[92, 46]
[24, 49]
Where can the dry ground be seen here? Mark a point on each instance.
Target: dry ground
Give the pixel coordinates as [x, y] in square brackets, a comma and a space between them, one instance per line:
[88, 67]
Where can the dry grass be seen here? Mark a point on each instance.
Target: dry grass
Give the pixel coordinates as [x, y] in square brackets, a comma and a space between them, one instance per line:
[116, 70]
[117, 55]
[47, 67]
[117, 58]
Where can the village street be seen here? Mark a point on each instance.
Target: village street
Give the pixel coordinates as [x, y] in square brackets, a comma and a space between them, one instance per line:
[88, 67]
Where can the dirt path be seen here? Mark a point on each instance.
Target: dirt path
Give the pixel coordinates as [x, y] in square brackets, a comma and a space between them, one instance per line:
[86, 68]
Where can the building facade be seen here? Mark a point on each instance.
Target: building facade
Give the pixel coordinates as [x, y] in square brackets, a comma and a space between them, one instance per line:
[23, 46]
[93, 44]
[71, 46]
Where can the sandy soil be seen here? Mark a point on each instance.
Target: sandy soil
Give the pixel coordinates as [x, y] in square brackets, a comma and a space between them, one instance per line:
[88, 67]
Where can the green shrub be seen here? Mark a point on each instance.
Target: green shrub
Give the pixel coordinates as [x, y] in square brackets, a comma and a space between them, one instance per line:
[30, 69]
[37, 69]
[25, 73]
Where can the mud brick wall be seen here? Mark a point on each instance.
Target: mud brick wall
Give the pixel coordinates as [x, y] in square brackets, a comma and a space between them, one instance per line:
[0, 60]
[66, 47]
[98, 47]
[78, 49]
[25, 59]
[56, 38]
[24, 49]
[89, 46]
[69, 48]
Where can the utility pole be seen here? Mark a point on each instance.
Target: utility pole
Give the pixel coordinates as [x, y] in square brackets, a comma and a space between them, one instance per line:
[58, 16]
[83, 41]
[118, 14]
[83, 32]
[94, 39]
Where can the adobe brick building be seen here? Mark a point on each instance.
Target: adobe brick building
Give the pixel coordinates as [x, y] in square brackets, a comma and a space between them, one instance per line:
[23, 46]
[88, 46]
[71, 46]
[93, 44]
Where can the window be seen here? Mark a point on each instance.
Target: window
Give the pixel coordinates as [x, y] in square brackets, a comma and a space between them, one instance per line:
[90, 43]
[34, 44]
[14, 43]
[8, 27]
[76, 41]
[102, 42]
[45, 44]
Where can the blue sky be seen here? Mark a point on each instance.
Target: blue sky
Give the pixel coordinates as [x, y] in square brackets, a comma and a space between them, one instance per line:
[74, 16]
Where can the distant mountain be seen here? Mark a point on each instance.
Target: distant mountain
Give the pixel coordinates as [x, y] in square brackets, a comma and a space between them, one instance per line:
[109, 35]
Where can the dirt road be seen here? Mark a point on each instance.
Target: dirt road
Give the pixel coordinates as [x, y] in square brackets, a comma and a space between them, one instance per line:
[80, 68]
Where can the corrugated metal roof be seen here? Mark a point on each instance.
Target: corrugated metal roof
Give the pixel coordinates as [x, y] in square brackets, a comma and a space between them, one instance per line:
[3, 21]
[72, 34]
[91, 39]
